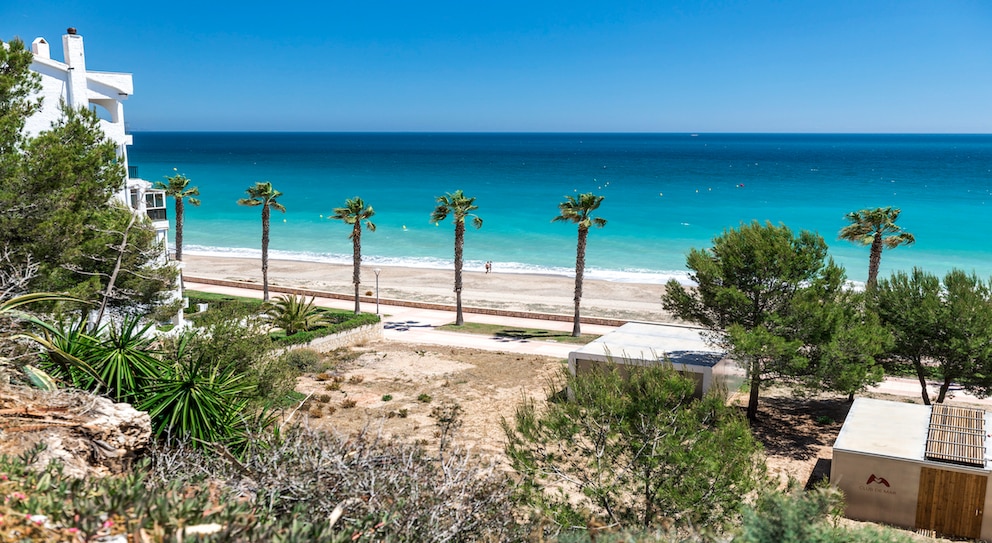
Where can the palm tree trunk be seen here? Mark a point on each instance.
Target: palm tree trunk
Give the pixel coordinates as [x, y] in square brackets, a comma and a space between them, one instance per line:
[580, 268]
[265, 252]
[874, 260]
[459, 246]
[180, 211]
[356, 278]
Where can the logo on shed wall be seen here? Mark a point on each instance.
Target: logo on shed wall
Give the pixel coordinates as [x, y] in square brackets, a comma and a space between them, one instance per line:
[877, 485]
[876, 480]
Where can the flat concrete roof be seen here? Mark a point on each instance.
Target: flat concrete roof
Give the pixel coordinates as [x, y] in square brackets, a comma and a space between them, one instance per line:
[883, 428]
[652, 342]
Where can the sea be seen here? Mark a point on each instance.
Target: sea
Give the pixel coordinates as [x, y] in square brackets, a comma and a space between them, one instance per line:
[664, 195]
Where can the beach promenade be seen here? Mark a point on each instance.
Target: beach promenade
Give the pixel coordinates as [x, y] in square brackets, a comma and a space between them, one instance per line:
[419, 327]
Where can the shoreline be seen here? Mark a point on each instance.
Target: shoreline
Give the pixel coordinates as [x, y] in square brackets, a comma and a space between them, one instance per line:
[537, 292]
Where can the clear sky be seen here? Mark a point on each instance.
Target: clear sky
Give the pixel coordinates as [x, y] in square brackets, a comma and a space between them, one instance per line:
[573, 65]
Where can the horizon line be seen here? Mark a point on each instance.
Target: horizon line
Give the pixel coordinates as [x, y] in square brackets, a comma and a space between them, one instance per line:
[551, 132]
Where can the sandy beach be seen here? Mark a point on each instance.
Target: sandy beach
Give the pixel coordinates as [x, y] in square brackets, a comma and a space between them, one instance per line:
[523, 292]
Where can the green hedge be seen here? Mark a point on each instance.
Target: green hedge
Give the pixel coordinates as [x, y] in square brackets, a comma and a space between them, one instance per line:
[300, 338]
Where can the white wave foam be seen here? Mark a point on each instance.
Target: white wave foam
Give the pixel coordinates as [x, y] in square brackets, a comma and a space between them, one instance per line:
[617, 276]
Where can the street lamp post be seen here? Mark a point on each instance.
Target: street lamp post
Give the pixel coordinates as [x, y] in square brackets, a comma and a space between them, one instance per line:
[377, 270]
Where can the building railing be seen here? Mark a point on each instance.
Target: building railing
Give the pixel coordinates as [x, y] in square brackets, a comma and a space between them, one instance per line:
[132, 172]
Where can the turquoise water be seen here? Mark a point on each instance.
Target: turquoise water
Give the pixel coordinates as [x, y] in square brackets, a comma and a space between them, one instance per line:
[665, 193]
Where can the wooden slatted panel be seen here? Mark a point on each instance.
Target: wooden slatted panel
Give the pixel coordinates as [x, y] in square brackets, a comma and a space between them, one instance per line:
[956, 435]
[951, 503]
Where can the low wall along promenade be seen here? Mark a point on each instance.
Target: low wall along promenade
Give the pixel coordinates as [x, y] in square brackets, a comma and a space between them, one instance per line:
[404, 303]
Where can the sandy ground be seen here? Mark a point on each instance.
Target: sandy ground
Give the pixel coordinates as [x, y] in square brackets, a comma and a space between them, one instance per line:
[523, 292]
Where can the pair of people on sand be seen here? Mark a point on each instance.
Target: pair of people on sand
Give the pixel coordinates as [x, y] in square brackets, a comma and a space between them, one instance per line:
[489, 266]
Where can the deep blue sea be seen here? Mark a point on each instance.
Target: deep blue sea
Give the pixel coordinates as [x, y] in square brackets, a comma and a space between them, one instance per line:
[665, 193]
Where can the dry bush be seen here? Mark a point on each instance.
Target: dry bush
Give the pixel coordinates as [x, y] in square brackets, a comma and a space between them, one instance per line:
[355, 379]
[348, 403]
[306, 474]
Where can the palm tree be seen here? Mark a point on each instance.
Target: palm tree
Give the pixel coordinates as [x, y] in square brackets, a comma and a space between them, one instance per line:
[295, 314]
[178, 187]
[579, 210]
[876, 227]
[353, 213]
[460, 207]
[262, 194]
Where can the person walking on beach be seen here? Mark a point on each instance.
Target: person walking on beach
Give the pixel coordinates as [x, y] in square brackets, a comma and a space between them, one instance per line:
[489, 266]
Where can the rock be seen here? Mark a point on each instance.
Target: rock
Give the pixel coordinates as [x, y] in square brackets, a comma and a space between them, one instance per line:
[89, 434]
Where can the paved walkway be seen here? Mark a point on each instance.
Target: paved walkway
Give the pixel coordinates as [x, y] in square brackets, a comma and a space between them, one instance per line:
[418, 326]
[414, 325]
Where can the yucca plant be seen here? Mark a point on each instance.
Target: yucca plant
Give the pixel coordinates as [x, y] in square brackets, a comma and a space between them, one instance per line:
[295, 314]
[196, 398]
[125, 359]
[68, 349]
[61, 354]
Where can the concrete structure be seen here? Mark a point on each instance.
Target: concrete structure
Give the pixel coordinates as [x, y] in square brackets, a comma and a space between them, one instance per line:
[69, 81]
[917, 466]
[643, 344]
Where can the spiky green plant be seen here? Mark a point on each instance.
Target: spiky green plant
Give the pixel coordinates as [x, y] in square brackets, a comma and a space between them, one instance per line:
[295, 314]
[124, 357]
[196, 398]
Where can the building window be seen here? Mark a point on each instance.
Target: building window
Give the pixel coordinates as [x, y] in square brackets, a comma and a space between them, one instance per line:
[154, 199]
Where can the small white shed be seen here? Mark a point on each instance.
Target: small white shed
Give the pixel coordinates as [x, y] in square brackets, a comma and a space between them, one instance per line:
[917, 466]
[643, 344]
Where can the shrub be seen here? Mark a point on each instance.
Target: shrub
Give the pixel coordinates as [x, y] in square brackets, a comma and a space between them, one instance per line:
[348, 403]
[303, 337]
[795, 515]
[387, 397]
[303, 360]
[635, 451]
[424, 398]
[355, 379]
[306, 474]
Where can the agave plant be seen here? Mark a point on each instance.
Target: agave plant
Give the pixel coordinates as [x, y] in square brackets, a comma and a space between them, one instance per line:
[295, 314]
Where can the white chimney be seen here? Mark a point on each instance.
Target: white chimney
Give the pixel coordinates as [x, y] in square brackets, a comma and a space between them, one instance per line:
[40, 48]
[72, 48]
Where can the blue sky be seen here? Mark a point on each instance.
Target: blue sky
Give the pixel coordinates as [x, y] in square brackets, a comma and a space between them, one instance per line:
[578, 65]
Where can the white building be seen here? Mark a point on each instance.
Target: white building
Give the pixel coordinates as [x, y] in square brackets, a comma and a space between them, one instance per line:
[923, 467]
[646, 344]
[104, 92]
